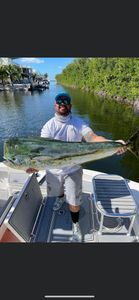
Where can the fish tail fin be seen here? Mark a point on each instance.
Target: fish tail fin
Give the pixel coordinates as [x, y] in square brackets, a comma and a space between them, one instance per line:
[133, 144]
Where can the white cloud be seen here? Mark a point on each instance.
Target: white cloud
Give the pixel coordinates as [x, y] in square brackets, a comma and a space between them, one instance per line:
[60, 67]
[34, 60]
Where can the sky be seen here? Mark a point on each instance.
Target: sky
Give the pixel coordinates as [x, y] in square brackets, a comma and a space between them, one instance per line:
[50, 65]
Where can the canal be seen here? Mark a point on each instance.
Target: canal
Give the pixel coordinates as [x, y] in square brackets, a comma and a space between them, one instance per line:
[24, 114]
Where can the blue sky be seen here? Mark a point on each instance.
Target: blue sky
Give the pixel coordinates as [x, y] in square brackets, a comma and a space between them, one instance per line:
[50, 65]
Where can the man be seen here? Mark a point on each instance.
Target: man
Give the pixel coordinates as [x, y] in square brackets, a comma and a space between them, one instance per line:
[66, 127]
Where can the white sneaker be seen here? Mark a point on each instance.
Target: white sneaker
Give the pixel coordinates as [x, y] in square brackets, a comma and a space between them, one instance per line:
[77, 236]
[58, 203]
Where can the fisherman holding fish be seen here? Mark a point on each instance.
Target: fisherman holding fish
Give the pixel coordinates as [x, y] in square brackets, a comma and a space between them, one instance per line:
[66, 142]
[68, 180]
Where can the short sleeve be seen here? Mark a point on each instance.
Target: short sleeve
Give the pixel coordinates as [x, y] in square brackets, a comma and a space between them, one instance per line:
[45, 132]
[85, 129]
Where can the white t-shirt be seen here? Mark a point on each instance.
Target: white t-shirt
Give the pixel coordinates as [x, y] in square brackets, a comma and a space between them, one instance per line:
[70, 129]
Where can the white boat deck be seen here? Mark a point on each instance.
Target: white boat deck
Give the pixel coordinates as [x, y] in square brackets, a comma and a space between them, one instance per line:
[59, 229]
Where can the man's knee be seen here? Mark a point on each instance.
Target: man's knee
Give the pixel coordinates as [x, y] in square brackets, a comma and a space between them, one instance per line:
[74, 208]
[54, 184]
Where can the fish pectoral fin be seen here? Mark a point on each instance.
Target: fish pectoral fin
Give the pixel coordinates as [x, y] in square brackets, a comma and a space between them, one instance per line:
[37, 150]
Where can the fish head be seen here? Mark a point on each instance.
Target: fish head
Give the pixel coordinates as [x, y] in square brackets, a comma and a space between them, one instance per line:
[22, 153]
[15, 154]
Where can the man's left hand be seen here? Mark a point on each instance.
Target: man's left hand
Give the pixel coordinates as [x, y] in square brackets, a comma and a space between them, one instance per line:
[122, 149]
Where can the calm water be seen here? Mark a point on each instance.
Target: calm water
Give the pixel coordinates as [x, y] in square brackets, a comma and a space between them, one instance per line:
[24, 114]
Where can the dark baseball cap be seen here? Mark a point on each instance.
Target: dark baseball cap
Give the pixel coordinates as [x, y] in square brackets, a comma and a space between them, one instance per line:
[63, 98]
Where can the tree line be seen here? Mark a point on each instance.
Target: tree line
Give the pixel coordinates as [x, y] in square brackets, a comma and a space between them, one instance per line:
[111, 77]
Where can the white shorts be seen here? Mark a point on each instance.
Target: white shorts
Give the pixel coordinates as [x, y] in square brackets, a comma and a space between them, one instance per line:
[68, 184]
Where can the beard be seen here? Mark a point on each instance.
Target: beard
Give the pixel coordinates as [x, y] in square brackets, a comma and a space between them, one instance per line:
[64, 112]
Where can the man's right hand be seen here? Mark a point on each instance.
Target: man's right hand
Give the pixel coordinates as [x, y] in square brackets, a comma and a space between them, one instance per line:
[31, 170]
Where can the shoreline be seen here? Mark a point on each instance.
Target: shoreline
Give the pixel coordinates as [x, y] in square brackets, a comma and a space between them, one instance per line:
[15, 87]
[134, 104]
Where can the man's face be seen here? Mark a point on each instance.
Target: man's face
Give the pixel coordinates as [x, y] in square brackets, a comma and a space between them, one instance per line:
[62, 108]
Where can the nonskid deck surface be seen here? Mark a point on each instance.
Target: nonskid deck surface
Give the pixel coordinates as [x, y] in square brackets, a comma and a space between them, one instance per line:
[56, 226]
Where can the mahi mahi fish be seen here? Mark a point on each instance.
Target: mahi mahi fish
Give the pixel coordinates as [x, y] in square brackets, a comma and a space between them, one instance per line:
[39, 152]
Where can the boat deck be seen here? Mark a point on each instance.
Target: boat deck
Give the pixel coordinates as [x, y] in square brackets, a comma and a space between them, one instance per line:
[55, 226]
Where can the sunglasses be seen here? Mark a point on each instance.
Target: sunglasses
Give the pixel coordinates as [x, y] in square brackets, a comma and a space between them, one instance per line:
[64, 101]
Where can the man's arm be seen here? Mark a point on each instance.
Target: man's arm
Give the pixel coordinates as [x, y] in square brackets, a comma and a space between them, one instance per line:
[90, 136]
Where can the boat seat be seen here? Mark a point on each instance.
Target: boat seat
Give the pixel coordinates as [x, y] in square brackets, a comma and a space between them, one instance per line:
[113, 198]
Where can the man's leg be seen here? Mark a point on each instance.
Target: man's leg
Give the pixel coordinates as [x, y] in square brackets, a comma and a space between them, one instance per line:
[55, 188]
[73, 191]
[74, 210]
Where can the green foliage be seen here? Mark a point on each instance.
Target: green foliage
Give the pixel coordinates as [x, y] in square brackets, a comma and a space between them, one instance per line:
[114, 76]
[4, 73]
[9, 71]
[14, 72]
